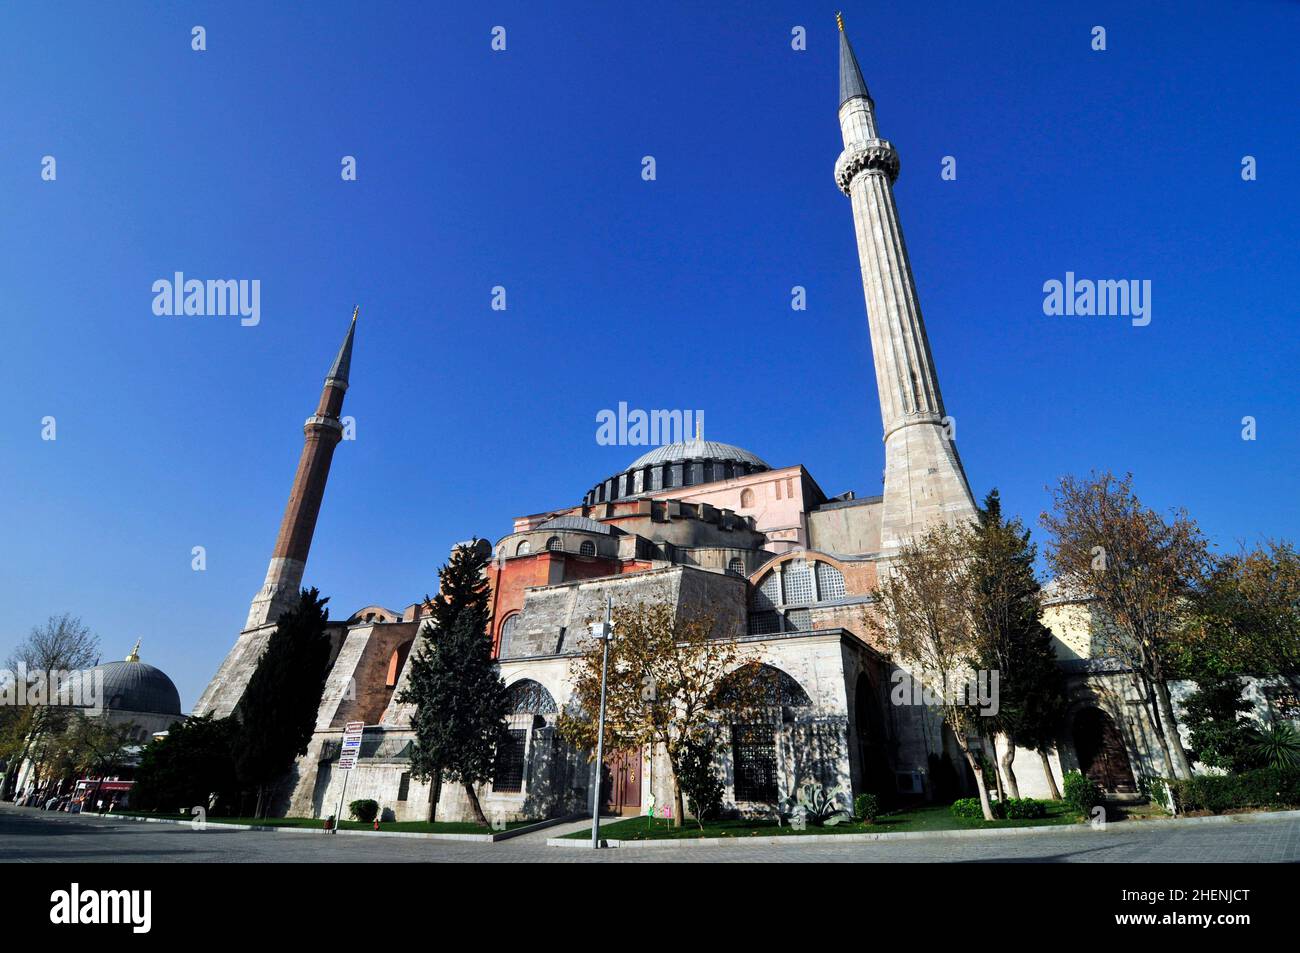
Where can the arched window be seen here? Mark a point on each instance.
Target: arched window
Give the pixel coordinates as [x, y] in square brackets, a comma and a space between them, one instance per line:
[736, 567]
[553, 544]
[523, 549]
[528, 697]
[780, 600]
[588, 548]
[775, 688]
[746, 499]
[507, 632]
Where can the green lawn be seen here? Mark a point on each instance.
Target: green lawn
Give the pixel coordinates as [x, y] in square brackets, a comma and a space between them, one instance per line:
[412, 827]
[927, 818]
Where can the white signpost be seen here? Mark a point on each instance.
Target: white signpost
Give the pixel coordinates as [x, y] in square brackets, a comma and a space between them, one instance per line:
[348, 754]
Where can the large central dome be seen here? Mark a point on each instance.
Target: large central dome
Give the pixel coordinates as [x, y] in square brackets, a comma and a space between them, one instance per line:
[677, 465]
[697, 450]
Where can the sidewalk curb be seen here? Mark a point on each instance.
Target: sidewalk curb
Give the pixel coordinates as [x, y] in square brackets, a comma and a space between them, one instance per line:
[417, 835]
[796, 839]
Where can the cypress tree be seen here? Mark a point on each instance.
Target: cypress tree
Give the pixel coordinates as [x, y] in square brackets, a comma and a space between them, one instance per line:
[455, 684]
[278, 712]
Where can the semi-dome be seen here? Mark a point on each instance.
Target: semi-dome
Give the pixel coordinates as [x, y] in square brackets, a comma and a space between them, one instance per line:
[697, 450]
[581, 523]
[132, 685]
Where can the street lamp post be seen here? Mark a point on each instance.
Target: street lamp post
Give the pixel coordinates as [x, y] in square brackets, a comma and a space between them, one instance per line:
[605, 632]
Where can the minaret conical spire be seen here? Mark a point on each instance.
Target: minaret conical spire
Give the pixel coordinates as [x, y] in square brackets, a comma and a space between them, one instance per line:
[343, 361]
[851, 82]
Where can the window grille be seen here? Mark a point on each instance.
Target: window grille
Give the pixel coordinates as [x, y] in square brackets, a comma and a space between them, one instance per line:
[553, 543]
[530, 698]
[753, 752]
[509, 776]
[588, 548]
[798, 620]
[736, 566]
[764, 623]
[830, 582]
[404, 785]
[768, 593]
[798, 583]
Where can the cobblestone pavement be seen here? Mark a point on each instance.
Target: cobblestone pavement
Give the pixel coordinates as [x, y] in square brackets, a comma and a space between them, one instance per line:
[36, 836]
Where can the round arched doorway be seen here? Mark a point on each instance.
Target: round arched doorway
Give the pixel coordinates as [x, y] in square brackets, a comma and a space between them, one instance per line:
[1101, 753]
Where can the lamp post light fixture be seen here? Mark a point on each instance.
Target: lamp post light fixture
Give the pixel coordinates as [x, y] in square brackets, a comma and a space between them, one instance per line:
[605, 632]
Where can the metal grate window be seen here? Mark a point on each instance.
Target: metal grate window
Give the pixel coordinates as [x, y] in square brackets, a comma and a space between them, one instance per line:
[553, 543]
[404, 785]
[736, 567]
[753, 752]
[588, 548]
[509, 776]
[764, 623]
[830, 582]
[768, 593]
[798, 583]
[798, 620]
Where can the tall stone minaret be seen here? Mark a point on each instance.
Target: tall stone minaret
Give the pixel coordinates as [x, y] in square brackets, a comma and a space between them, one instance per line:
[323, 432]
[924, 479]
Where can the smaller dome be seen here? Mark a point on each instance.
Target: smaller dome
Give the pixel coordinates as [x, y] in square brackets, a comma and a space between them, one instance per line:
[135, 686]
[697, 450]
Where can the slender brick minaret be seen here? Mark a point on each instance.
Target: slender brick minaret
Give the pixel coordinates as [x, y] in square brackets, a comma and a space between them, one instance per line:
[323, 432]
[924, 479]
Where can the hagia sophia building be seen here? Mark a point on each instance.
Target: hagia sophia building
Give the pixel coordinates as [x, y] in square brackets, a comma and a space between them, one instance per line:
[711, 529]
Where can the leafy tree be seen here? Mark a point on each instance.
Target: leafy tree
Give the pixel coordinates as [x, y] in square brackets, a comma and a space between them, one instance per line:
[1142, 571]
[699, 779]
[92, 747]
[1220, 736]
[1006, 609]
[665, 674]
[192, 766]
[62, 644]
[277, 714]
[460, 699]
[1245, 620]
[924, 613]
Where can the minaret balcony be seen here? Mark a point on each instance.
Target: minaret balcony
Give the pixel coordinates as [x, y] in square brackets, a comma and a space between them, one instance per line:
[873, 155]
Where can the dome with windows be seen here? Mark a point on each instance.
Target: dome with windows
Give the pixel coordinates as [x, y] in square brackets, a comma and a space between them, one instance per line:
[681, 464]
[698, 450]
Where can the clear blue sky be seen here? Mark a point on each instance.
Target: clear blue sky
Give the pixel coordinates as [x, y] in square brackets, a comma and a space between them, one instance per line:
[522, 169]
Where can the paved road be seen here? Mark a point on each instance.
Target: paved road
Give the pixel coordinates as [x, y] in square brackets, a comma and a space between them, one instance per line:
[36, 836]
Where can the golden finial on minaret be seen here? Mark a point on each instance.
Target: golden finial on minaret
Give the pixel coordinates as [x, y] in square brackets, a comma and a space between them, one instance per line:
[135, 653]
[355, 309]
[839, 19]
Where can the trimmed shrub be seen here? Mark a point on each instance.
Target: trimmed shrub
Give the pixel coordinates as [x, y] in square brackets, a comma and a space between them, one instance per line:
[969, 808]
[1025, 808]
[1261, 788]
[1013, 808]
[866, 808]
[364, 810]
[1080, 793]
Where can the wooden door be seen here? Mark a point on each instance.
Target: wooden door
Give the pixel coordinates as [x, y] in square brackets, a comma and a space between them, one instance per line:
[1101, 753]
[621, 785]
